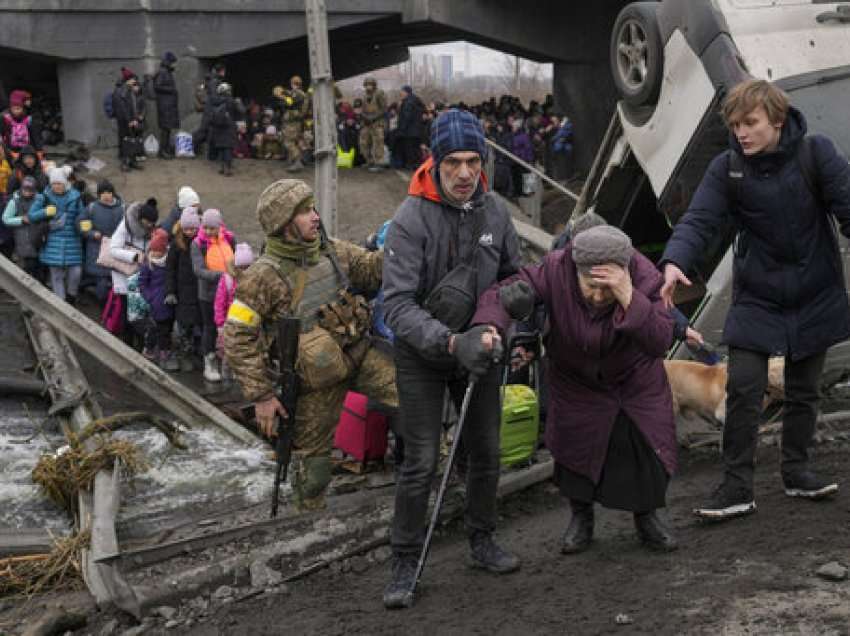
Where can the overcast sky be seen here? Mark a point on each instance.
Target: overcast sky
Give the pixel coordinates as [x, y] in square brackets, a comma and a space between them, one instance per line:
[482, 61]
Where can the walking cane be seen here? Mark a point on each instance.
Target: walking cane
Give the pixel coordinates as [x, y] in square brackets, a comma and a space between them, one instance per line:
[444, 484]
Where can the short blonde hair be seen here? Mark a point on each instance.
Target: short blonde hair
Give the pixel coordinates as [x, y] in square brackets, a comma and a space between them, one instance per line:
[747, 96]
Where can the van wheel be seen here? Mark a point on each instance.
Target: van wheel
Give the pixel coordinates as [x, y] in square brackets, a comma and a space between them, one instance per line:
[637, 55]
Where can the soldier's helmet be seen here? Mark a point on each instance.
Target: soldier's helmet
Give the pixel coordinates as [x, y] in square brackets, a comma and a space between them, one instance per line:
[279, 202]
[370, 81]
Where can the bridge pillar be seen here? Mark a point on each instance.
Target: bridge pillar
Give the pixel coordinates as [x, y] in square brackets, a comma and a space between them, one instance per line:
[83, 85]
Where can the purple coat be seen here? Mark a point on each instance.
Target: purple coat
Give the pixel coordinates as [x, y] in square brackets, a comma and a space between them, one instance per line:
[599, 365]
[152, 281]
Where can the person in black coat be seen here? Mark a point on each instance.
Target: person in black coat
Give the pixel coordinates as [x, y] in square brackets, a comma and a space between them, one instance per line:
[410, 127]
[210, 91]
[226, 111]
[789, 297]
[128, 104]
[167, 108]
[181, 285]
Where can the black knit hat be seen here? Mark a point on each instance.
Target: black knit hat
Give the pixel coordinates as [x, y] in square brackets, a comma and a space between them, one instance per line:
[148, 211]
[104, 185]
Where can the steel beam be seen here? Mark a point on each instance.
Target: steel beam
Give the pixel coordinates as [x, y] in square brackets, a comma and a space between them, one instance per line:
[127, 364]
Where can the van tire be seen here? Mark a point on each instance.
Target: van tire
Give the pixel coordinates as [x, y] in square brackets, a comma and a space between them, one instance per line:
[637, 54]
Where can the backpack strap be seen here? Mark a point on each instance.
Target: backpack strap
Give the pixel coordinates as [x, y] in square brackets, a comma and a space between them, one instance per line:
[734, 178]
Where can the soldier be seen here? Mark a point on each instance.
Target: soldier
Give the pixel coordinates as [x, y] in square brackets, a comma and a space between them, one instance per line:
[295, 103]
[304, 274]
[374, 120]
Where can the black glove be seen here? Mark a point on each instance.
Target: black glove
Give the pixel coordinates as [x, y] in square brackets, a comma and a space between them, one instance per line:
[470, 353]
[517, 299]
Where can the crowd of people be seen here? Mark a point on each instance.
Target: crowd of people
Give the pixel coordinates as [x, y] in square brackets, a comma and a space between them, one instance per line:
[372, 130]
[180, 288]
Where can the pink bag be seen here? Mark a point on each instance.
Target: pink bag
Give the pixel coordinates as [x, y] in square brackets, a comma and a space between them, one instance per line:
[361, 433]
[112, 317]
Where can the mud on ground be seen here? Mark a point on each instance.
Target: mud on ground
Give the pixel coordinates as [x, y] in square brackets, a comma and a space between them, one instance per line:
[365, 200]
[749, 576]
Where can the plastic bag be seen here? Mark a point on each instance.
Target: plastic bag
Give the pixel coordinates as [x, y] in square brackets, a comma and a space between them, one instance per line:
[151, 146]
[529, 183]
[183, 146]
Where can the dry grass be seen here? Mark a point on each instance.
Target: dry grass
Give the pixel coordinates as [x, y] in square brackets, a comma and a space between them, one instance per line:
[61, 569]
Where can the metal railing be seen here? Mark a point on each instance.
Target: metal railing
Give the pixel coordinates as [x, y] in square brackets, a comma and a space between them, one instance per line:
[531, 204]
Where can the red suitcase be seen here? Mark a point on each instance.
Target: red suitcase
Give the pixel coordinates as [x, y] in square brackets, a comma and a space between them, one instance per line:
[360, 432]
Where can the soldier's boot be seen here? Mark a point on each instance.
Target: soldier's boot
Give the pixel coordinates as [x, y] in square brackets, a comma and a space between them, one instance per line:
[211, 373]
[310, 482]
[295, 166]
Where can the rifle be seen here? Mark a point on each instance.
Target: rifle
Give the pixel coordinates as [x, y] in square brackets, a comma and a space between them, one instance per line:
[288, 330]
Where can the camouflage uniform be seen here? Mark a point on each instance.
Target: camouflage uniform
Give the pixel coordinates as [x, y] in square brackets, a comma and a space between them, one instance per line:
[293, 126]
[334, 352]
[372, 132]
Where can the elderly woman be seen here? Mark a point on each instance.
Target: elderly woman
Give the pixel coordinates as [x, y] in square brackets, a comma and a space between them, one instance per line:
[610, 426]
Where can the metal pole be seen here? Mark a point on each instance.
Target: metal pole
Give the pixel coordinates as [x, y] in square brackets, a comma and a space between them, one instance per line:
[324, 117]
[533, 169]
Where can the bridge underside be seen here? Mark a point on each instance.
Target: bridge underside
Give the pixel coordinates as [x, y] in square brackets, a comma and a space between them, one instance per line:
[80, 50]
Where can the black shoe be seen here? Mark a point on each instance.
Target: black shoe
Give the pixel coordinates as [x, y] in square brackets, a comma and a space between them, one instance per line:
[727, 501]
[71, 300]
[807, 485]
[484, 553]
[654, 533]
[579, 534]
[399, 593]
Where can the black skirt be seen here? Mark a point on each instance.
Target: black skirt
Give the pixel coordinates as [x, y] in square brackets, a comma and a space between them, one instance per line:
[632, 478]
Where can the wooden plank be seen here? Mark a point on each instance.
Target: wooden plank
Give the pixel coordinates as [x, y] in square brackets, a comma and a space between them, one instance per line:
[24, 541]
[126, 363]
[98, 507]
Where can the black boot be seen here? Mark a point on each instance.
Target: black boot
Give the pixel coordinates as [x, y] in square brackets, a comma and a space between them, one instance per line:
[579, 533]
[484, 553]
[399, 593]
[654, 533]
[71, 300]
[228, 169]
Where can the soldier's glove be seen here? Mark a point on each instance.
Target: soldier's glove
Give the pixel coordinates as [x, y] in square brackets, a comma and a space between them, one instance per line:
[171, 299]
[471, 353]
[517, 299]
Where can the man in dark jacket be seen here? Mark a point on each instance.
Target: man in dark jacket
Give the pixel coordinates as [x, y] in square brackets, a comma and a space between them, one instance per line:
[410, 127]
[789, 297]
[448, 219]
[225, 112]
[167, 108]
[213, 79]
[128, 105]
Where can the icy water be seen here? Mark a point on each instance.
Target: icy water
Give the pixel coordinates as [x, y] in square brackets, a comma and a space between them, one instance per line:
[21, 503]
[213, 469]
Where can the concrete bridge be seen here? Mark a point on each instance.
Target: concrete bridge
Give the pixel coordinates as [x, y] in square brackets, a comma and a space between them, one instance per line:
[74, 48]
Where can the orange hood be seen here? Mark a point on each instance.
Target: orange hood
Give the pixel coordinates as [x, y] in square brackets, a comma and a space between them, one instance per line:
[422, 183]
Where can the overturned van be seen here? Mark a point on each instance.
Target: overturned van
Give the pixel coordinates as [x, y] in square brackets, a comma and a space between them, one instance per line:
[672, 62]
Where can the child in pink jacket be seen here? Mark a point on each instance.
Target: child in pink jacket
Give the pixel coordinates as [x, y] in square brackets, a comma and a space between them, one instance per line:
[243, 257]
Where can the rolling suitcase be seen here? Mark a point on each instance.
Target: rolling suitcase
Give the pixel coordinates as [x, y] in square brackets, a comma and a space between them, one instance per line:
[361, 432]
[520, 426]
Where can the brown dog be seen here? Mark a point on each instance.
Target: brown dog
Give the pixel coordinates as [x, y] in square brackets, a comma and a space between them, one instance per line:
[701, 388]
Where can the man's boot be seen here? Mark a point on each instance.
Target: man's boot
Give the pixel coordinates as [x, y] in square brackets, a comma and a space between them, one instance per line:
[485, 554]
[654, 533]
[579, 533]
[399, 592]
[211, 373]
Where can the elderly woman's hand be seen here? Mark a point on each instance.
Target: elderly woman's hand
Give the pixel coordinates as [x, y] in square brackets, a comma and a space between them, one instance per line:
[617, 279]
